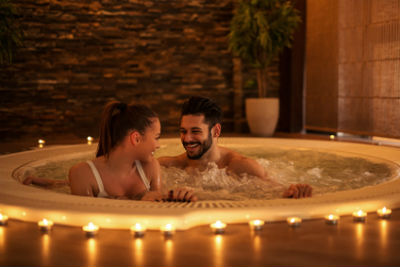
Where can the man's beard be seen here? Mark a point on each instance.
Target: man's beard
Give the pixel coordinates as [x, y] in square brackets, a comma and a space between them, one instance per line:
[204, 147]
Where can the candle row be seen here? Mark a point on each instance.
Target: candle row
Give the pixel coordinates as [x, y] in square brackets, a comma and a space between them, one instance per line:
[42, 142]
[218, 227]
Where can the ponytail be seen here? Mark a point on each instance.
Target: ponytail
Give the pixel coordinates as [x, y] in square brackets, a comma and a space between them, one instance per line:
[117, 120]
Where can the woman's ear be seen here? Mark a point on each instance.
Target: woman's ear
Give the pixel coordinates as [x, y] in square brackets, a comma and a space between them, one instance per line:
[135, 138]
[216, 130]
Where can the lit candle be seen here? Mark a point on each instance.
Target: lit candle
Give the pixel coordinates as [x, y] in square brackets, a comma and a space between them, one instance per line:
[384, 213]
[3, 219]
[41, 143]
[294, 221]
[331, 219]
[89, 140]
[168, 230]
[218, 227]
[90, 229]
[45, 225]
[332, 137]
[359, 216]
[256, 225]
[138, 230]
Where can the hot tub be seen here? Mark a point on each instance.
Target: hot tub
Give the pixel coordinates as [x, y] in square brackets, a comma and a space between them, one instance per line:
[32, 204]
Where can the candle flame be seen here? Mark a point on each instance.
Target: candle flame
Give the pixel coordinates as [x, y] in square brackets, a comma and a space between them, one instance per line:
[218, 225]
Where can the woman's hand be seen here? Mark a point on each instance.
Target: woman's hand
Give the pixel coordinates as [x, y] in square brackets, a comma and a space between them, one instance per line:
[152, 196]
[298, 191]
[182, 195]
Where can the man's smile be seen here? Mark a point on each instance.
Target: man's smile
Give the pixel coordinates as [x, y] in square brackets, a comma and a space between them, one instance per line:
[191, 145]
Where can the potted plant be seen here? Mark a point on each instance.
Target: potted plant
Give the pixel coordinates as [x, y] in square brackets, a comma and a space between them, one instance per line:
[10, 33]
[259, 31]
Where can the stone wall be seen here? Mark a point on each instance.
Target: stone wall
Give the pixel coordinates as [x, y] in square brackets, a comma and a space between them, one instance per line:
[78, 55]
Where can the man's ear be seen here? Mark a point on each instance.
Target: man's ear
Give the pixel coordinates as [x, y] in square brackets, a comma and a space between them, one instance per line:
[216, 130]
[135, 138]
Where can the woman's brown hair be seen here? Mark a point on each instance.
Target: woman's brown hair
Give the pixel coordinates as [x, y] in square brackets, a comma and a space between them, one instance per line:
[117, 120]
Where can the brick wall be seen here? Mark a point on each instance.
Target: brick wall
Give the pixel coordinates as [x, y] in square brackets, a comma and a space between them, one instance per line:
[78, 55]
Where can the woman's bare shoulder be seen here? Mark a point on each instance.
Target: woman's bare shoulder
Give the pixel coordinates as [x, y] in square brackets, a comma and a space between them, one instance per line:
[81, 179]
[79, 168]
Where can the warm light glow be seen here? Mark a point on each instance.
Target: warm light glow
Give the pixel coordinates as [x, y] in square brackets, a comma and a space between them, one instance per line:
[45, 222]
[332, 137]
[138, 230]
[384, 213]
[168, 229]
[2, 238]
[256, 224]
[45, 248]
[218, 227]
[138, 252]
[169, 252]
[92, 251]
[45, 225]
[3, 219]
[331, 219]
[218, 250]
[41, 143]
[89, 140]
[359, 216]
[90, 229]
[383, 233]
[294, 221]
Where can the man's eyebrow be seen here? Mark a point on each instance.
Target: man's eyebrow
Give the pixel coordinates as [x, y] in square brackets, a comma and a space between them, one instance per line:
[196, 128]
[193, 128]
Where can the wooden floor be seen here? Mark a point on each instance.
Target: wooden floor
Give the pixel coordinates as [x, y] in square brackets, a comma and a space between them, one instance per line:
[373, 243]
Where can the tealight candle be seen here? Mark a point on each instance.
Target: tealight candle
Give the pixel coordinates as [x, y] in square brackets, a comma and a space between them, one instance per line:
[168, 230]
[89, 140]
[90, 229]
[331, 219]
[3, 219]
[41, 143]
[256, 225]
[218, 227]
[294, 221]
[359, 216]
[138, 230]
[384, 213]
[45, 225]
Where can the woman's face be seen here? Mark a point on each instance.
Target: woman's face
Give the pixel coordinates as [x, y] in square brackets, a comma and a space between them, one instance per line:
[150, 140]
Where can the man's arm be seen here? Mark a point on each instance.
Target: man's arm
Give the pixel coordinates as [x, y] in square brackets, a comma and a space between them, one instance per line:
[240, 164]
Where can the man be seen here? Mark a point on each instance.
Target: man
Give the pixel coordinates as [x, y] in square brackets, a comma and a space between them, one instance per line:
[200, 128]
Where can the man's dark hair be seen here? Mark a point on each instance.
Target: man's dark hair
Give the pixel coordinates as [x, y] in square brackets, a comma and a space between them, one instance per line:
[197, 105]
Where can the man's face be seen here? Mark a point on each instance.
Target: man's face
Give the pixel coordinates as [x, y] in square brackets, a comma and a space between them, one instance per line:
[195, 136]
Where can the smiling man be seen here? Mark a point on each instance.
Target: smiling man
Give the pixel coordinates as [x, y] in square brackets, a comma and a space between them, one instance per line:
[200, 128]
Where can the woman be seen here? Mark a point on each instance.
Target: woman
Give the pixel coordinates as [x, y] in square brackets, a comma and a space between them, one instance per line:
[124, 166]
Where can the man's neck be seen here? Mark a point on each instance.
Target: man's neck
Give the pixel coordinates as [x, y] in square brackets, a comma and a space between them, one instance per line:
[212, 155]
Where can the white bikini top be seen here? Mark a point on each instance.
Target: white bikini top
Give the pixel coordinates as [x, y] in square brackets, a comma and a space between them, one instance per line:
[102, 192]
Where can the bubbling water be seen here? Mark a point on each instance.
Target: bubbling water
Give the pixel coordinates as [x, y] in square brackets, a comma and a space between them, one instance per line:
[325, 172]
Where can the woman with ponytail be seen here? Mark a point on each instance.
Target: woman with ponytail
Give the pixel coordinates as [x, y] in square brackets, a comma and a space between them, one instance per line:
[124, 166]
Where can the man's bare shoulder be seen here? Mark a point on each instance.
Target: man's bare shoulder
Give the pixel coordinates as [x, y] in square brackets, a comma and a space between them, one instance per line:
[179, 161]
[229, 155]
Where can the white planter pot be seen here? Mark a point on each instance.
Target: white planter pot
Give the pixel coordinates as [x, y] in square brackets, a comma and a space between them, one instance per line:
[262, 115]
